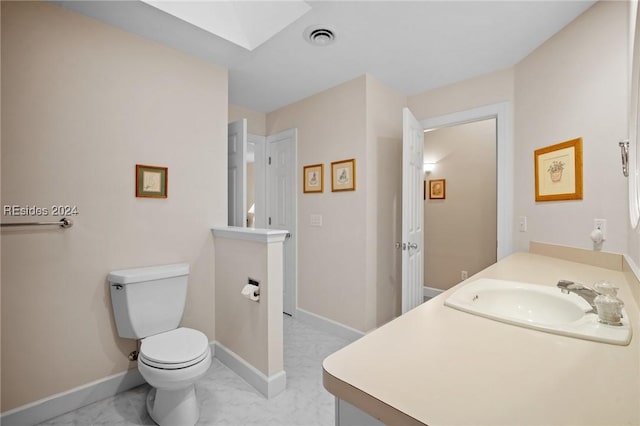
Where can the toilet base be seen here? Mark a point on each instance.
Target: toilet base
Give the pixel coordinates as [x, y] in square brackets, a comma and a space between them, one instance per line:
[173, 407]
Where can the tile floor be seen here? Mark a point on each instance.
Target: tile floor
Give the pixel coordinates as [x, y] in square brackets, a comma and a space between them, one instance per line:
[226, 399]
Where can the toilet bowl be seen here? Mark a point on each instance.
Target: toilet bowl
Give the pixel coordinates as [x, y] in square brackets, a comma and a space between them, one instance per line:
[171, 362]
[148, 304]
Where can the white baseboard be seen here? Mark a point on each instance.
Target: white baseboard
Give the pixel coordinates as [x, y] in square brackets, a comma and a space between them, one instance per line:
[61, 403]
[330, 326]
[58, 404]
[430, 291]
[269, 386]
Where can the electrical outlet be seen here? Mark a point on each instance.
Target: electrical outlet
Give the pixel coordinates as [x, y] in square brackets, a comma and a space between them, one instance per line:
[601, 224]
[464, 275]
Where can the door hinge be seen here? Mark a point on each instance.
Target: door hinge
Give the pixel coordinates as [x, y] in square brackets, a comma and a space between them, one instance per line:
[406, 246]
[269, 160]
[269, 221]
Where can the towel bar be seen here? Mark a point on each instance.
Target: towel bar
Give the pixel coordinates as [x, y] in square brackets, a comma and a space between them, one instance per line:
[64, 223]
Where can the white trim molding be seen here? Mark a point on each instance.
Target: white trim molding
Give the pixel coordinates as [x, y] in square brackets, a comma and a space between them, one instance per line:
[269, 386]
[431, 292]
[328, 325]
[58, 404]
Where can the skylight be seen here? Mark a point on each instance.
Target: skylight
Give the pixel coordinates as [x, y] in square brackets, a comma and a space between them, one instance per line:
[245, 23]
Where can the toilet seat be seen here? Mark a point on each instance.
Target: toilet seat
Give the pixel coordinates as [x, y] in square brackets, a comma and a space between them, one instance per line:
[175, 349]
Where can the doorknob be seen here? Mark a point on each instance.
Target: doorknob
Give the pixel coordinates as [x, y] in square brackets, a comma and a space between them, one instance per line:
[412, 246]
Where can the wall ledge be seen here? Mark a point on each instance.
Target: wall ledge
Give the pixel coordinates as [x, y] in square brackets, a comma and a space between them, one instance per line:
[269, 386]
[250, 234]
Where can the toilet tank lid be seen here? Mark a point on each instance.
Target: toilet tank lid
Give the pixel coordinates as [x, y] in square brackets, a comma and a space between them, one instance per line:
[136, 275]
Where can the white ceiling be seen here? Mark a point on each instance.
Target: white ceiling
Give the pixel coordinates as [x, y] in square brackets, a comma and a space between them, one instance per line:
[411, 46]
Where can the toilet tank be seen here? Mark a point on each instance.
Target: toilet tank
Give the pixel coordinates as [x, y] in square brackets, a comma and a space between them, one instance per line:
[149, 300]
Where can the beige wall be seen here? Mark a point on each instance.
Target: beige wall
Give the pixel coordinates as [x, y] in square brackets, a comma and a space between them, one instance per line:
[575, 85]
[331, 258]
[350, 278]
[384, 199]
[487, 89]
[460, 231]
[82, 103]
[256, 121]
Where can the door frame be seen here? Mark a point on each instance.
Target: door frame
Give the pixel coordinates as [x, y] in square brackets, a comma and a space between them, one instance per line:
[503, 114]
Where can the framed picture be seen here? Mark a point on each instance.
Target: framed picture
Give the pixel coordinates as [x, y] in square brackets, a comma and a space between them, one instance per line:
[343, 175]
[313, 178]
[558, 171]
[437, 189]
[151, 181]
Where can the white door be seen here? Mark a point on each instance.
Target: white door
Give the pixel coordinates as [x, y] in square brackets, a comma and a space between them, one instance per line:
[281, 205]
[237, 173]
[260, 180]
[412, 211]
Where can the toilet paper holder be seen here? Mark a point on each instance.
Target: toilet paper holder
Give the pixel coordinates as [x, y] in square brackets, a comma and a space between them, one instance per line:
[251, 290]
[251, 281]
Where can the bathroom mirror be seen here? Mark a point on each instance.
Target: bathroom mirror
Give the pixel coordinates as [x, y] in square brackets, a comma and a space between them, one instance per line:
[634, 109]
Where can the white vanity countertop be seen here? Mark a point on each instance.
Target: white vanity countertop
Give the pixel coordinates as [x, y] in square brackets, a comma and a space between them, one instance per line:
[439, 366]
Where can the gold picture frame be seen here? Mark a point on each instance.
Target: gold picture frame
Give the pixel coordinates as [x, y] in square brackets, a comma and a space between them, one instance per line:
[151, 181]
[343, 175]
[313, 179]
[437, 189]
[558, 171]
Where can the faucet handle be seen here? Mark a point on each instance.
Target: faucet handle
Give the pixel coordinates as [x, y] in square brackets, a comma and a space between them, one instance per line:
[571, 285]
[604, 287]
[565, 285]
[608, 306]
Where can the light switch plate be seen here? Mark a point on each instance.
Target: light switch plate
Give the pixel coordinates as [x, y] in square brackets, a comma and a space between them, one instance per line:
[315, 220]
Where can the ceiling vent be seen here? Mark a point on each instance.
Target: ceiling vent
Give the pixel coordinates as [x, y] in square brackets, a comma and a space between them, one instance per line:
[320, 35]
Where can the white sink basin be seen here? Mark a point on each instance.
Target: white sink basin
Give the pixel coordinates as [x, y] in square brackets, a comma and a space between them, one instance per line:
[538, 307]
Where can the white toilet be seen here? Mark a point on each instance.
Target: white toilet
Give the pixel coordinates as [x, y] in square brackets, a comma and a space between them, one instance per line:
[148, 304]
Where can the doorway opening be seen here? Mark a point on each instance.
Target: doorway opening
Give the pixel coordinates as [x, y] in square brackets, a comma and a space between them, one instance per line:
[460, 196]
[262, 191]
[502, 113]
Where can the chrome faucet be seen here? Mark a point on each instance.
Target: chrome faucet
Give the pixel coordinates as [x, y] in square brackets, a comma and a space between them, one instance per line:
[587, 293]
